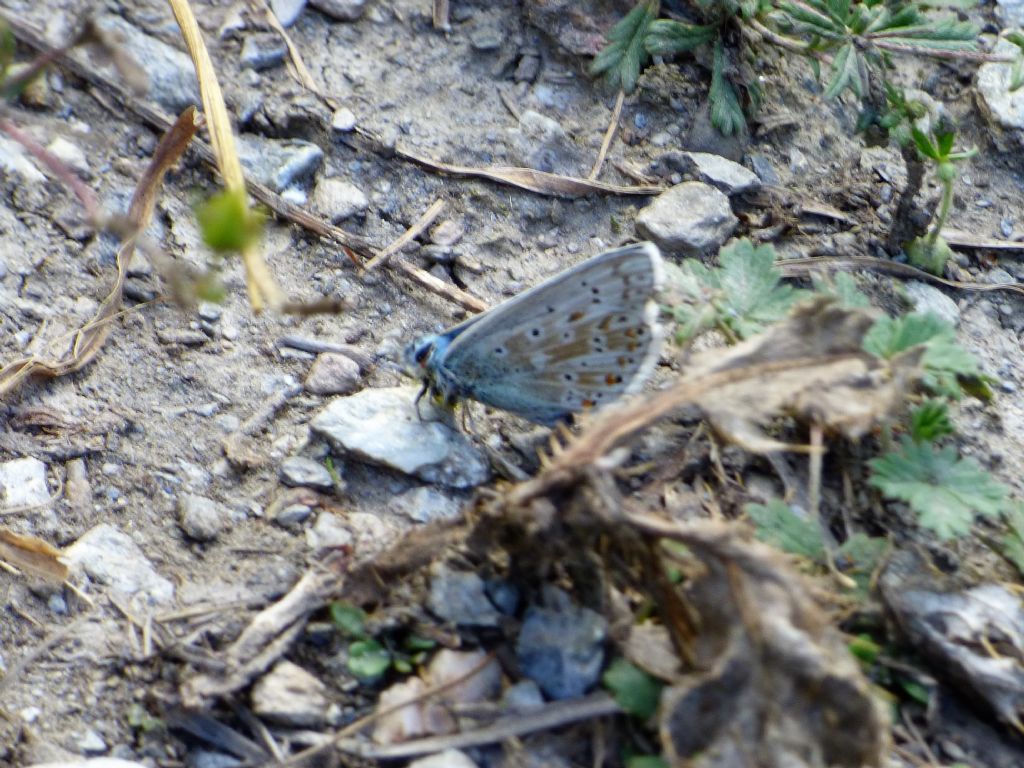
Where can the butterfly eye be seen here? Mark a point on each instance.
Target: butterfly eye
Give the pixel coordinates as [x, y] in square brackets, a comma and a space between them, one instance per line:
[422, 353]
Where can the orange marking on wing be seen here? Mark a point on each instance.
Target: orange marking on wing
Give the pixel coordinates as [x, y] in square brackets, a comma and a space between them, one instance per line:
[577, 315]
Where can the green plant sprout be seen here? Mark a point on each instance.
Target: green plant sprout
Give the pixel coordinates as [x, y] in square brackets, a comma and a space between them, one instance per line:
[931, 252]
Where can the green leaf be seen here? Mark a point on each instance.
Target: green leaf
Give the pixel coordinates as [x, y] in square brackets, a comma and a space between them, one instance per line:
[776, 524]
[845, 73]
[944, 490]
[754, 296]
[864, 648]
[743, 295]
[844, 289]
[349, 619]
[368, 660]
[1013, 540]
[859, 556]
[726, 112]
[227, 223]
[622, 59]
[667, 37]
[930, 421]
[633, 689]
[7, 48]
[924, 143]
[414, 643]
[646, 761]
[946, 363]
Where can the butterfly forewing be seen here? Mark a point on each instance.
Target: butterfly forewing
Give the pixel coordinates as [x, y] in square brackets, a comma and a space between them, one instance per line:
[580, 339]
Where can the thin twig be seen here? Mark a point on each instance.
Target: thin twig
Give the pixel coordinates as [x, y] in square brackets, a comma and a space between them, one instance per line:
[608, 135]
[406, 237]
[553, 715]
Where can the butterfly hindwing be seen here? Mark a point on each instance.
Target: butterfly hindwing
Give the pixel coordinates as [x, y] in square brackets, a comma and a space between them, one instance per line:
[580, 339]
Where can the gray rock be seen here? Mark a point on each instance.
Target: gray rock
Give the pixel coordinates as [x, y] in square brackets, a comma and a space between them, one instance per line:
[1000, 105]
[263, 51]
[1010, 12]
[765, 170]
[332, 373]
[340, 10]
[201, 518]
[290, 696]
[450, 758]
[23, 483]
[287, 11]
[732, 178]
[929, 299]
[278, 163]
[293, 515]
[561, 648]
[382, 426]
[91, 743]
[461, 598]
[691, 218]
[110, 557]
[328, 532]
[522, 697]
[337, 200]
[171, 76]
[301, 471]
[425, 505]
[205, 758]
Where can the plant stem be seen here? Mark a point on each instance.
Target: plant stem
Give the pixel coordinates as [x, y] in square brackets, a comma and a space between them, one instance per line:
[940, 217]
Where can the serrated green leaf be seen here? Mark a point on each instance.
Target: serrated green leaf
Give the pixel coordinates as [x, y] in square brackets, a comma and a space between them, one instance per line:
[776, 524]
[845, 73]
[726, 112]
[930, 422]
[633, 689]
[368, 660]
[945, 491]
[753, 294]
[349, 619]
[625, 55]
[667, 37]
[843, 288]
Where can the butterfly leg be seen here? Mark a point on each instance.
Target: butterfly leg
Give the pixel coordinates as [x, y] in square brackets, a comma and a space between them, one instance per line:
[419, 396]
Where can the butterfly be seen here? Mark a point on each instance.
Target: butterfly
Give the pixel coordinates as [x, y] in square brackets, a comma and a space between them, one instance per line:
[576, 341]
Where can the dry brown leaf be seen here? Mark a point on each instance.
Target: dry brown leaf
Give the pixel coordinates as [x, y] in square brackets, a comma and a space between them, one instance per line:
[846, 392]
[32, 555]
[531, 180]
[89, 339]
[773, 678]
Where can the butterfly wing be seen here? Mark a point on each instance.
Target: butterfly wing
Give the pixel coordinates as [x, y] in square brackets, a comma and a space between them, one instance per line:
[580, 339]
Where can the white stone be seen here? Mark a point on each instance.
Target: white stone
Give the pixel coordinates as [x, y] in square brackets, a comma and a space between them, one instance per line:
[732, 178]
[337, 200]
[110, 557]
[340, 10]
[69, 154]
[23, 483]
[381, 426]
[1004, 107]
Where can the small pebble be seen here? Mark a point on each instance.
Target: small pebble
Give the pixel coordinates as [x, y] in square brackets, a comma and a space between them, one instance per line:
[340, 10]
[289, 695]
[333, 373]
[201, 518]
[328, 532]
[263, 51]
[343, 120]
[299, 471]
[293, 515]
